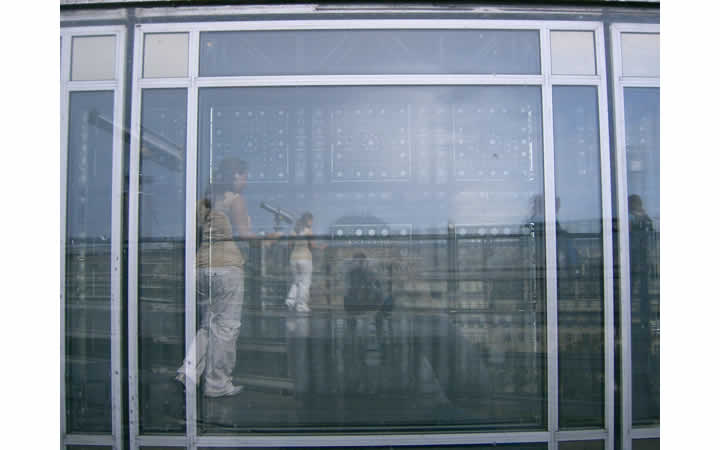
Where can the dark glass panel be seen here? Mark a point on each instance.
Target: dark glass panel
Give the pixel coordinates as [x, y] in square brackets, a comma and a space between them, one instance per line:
[161, 259]
[579, 257]
[88, 263]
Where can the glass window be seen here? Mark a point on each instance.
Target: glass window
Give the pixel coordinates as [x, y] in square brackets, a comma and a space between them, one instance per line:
[579, 256]
[573, 52]
[582, 445]
[413, 293]
[640, 54]
[166, 55]
[642, 130]
[161, 259]
[93, 58]
[224, 53]
[87, 263]
[646, 444]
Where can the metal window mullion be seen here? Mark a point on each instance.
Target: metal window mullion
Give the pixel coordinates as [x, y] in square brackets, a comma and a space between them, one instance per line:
[635, 28]
[88, 439]
[371, 440]
[351, 24]
[64, 134]
[116, 319]
[606, 199]
[190, 238]
[576, 80]
[584, 435]
[550, 243]
[162, 441]
[104, 85]
[145, 83]
[624, 245]
[368, 80]
[639, 82]
[133, 257]
[646, 433]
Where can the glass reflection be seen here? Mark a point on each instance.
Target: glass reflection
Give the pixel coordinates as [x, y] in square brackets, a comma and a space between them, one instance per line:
[161, 258]
[642, 124]
[579, 256]
[387, 270]
[88, 263]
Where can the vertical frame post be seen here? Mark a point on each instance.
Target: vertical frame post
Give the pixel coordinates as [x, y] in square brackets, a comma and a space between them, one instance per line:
[190, 229]
[606, 189]
[116, 297]
[66, 40]
[133, 225]
[550, 240]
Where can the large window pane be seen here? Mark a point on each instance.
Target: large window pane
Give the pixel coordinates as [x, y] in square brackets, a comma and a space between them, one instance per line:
[425, 304]
[579, 256]
[642, 130]
[87, 262]
[224, 53]
[161, 258]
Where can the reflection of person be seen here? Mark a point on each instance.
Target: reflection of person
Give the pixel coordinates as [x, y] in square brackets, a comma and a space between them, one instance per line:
[220, 282]
[567, 254]
[645, 362]
[362, 302]
[641, 229]
[301, 265]
[363, 288]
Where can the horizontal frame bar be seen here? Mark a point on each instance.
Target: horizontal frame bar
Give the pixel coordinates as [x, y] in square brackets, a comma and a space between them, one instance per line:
[88, 439]
[365, 24]
[581, 435]
[371, 440]
[639, 82]
[575, 80]
[161, 441]
[645, 433]
[229, 10]
[369, 80]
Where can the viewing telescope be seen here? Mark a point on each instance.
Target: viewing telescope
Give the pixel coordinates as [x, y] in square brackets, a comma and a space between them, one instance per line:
[279, 213]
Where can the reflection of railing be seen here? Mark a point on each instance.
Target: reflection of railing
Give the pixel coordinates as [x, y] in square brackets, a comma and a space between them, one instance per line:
[483, 348]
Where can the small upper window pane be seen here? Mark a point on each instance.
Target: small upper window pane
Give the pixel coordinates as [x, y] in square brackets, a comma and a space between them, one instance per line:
[369, 52]
[93, 58]
[641, 54]
[573, 52]
[166, 55]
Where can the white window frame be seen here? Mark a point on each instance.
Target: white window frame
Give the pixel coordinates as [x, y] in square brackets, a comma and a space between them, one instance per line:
[620, 83]
[116, 85]
[544, 80]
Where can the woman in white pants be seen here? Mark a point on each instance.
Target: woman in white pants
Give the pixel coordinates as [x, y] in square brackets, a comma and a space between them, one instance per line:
[301, 265]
